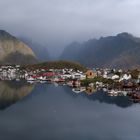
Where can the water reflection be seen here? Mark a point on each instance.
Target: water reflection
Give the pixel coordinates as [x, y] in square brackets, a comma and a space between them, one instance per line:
[102, 97]
[11, 92]
[94, 94]
[54, 113]
[90, 90]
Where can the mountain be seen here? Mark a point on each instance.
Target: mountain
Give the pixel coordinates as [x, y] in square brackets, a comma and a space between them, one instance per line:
[120, 51]
[40, 50]
[71, 52]
[14, 51]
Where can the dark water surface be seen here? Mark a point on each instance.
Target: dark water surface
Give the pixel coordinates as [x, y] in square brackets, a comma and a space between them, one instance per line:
[46, 112]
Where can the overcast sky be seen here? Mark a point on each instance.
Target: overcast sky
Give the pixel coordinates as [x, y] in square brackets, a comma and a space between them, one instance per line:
[59, 22]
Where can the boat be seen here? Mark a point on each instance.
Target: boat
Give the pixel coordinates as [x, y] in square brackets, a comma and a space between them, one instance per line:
[79, 89]
[30, 78]
[112, 92]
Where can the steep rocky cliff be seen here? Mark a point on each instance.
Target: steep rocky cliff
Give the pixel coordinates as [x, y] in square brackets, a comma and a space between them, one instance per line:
[14, 51]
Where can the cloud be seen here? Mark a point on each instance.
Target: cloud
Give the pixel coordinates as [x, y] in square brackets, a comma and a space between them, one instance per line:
[58, 22]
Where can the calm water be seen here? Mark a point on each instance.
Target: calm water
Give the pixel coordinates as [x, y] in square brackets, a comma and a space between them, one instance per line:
[46, 112]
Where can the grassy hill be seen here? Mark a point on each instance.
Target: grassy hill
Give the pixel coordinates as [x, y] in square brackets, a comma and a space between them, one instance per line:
[58, 65]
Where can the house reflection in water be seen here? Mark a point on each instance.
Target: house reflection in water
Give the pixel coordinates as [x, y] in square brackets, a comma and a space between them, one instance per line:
[11, 92]
[101, 96]
[90, 90]
[86, 90]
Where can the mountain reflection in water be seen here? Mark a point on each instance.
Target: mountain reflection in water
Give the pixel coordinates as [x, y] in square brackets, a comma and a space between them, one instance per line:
[101, 96]
[11, 92]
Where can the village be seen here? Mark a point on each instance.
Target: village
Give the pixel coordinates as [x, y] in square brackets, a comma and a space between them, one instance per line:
[115, 82]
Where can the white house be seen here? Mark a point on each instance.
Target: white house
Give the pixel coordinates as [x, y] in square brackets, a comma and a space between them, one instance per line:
[125, 77]
[78, 76]
[111, 76]
[114, 77]
[66, 76]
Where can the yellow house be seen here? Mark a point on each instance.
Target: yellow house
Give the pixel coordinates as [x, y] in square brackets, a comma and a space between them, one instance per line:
[90, 74]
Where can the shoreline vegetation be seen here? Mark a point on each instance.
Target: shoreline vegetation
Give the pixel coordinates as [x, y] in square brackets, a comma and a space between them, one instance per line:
[61, 64]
